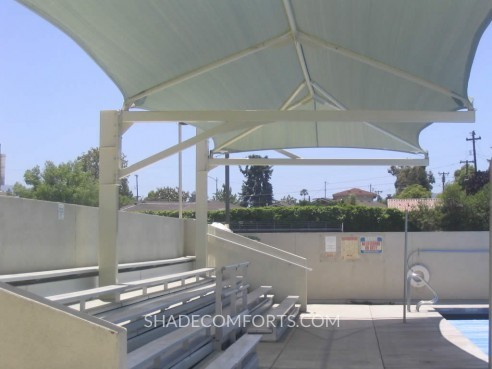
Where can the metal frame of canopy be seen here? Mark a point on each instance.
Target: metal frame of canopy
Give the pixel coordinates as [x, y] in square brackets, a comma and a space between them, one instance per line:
[115, 123]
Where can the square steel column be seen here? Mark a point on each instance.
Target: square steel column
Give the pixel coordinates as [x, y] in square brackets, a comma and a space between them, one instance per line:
[109, 166]
[201, 239]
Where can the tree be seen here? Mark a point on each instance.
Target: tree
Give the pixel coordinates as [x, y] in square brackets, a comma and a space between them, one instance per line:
[220, 195]
[167, 194]
[414, 191]
[471, 181]
[462, 175]
[74, 182]
[90, 164]
[304, 193]
[462, 212]
[66, 182]
[406, 176]
[257, 189]
[289, 200]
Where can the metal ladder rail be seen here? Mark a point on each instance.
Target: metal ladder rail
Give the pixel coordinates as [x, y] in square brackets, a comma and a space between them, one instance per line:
[421, 302]
[413, 275]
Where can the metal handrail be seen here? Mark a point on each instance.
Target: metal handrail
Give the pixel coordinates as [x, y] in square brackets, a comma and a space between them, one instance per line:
[262, 252]
[430, 250]
[411, 276]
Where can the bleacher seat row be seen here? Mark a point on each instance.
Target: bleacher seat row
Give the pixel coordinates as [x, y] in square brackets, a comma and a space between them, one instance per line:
[192, 318]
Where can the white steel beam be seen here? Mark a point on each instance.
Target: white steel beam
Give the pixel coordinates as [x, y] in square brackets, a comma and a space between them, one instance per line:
[320, 162]
[269, 116]
[288, 154]
[286, 105]
[225, 127]
[207, 68]
[315, 41]
[300, 53]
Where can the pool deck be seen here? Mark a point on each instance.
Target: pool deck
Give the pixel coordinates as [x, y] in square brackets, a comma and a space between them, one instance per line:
[372, 337]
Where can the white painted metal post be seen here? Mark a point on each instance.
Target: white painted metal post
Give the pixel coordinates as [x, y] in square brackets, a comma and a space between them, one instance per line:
[405, 269]
[180, 174]
[201, 237]
[109, 165]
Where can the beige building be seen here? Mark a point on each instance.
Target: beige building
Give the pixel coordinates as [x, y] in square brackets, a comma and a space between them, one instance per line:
[412, 204]
[357, 193]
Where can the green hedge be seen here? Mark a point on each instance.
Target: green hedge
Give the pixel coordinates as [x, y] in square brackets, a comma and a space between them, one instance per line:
[354, 218]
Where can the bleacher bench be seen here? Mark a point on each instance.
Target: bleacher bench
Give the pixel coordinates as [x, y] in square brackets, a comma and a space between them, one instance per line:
[83, 296]
[140, 310]
[277, 319]
[181, 348]
[241, 354]
[144, 284]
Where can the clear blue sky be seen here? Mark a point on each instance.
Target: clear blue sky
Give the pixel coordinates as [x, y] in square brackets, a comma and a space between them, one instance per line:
[52, 92]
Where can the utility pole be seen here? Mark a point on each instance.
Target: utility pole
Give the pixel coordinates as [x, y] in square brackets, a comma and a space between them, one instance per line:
[325, 189]
[473, 139]
[377, 192]
[467, 162]
[136, 178]
[443, 178]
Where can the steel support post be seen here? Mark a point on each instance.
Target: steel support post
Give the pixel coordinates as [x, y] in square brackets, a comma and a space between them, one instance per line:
[109, 165]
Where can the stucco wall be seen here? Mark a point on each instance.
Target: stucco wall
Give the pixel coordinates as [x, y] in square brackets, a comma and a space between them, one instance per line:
[378, 277]
[37, 333]
[40, 235]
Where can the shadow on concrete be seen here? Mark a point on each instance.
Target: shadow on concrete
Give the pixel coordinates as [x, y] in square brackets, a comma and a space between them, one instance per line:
[379, 343]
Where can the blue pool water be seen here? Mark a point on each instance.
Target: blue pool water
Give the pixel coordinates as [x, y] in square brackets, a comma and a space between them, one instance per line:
[476, 331]
[472, 322]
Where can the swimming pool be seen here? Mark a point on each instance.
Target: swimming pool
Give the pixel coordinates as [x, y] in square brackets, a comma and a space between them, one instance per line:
[472, 322]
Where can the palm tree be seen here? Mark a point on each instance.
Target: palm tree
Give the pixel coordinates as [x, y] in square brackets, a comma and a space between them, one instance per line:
[304, 193]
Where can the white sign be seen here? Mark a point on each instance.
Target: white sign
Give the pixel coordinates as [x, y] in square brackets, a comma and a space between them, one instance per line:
[330, 244]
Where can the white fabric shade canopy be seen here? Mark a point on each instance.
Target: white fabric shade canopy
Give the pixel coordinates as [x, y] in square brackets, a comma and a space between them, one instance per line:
[375, 55]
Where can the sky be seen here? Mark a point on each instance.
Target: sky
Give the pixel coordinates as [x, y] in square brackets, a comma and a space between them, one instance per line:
[51, 94]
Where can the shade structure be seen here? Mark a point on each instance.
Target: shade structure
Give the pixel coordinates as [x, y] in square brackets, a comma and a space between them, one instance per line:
[374, 55]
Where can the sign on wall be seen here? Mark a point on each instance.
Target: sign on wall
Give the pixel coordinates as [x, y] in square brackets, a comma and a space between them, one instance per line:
[371, 245]
[329, 251]
[349, 247]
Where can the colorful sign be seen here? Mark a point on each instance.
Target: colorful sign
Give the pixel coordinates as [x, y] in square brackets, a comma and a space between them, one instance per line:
[371, 245]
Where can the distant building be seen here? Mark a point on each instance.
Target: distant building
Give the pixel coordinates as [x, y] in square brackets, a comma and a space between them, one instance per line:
[412, 204]
[357, 193]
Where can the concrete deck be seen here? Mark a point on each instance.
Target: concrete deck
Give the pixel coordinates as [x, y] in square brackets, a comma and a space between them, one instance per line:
[371, 337]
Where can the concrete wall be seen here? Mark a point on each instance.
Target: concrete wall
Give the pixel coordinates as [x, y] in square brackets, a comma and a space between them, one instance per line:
[40, 235]
[42, 334]
[378, 277]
